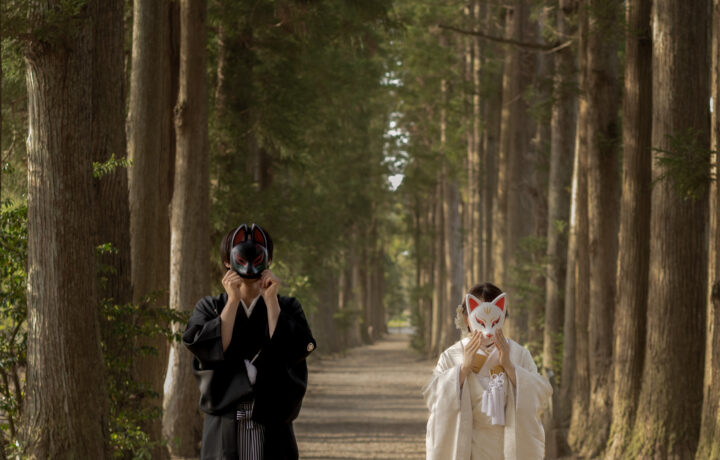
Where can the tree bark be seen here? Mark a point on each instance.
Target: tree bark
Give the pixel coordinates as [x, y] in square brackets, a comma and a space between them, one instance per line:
[634, 244]
[454, 265]
[603, 201]
[150, 148]
[537, 159]
[510, 94]
[580, 391]
[66, 405]
[470, 221]
[709, 444]
[490, 172]
[190, 222]
[562, 142]
[668, 417]
[513, 207]
[112, 211]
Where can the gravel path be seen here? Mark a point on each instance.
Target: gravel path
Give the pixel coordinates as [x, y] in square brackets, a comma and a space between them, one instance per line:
[366, 405]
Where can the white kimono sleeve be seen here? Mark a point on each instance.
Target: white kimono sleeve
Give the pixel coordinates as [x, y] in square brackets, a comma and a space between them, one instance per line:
[449, 427]
[524, 434]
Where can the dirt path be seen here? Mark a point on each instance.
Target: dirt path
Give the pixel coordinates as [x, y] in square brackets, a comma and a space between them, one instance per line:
[366, 405]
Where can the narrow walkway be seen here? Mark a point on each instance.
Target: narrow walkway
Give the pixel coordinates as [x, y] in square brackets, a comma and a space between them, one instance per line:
[366, 405]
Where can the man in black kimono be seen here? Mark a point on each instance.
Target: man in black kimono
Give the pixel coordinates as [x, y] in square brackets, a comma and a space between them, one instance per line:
[250, 346]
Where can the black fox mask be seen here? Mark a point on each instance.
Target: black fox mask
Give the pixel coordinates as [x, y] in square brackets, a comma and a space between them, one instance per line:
[249, 255]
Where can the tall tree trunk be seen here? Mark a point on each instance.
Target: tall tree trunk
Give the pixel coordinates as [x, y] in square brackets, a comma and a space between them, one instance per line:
[634, 244]
[454, 266]
[510, 95]
[431, 272]
[66, 405]
[476, 210]
[512, 207]
[470, 221]
[329, 298]
[537, 159]
[441, 228]
[149, 143]
[580, 393]
[112, 209]
[563, 403]
[603, 201]
[562, 142]
[491, 113]
[190, 222]
[709, 444]
[668, 417]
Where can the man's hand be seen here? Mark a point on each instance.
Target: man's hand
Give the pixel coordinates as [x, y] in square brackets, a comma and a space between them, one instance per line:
[269, 286]
[232, 282]
[468, 354]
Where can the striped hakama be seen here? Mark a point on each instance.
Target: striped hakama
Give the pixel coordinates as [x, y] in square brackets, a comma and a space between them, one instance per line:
[233, 437]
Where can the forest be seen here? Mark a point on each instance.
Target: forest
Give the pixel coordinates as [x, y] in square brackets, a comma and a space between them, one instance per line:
[398, 152]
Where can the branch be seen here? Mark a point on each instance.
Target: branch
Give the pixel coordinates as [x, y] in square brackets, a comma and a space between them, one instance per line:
[537, 46]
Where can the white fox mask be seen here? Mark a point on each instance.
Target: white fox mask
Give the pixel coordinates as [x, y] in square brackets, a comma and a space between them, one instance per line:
[486, 317]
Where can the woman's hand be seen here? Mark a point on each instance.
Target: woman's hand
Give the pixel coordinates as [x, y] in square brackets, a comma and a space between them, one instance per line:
[232, 282]
[468, 354]
[504, 350]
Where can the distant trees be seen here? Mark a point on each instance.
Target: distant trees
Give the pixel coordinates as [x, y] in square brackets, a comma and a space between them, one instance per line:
[594, 337]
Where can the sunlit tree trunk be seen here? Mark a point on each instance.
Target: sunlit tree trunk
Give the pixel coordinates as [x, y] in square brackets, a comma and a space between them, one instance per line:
[709, 445]
[512, 210]
[66, 402]
[150, 147]
[634, 244]
[499, 214]
[562, 142]
[563, 403]
[580, 390]
[669, 411]
[190, 222]
[537, 159]
[603, 203]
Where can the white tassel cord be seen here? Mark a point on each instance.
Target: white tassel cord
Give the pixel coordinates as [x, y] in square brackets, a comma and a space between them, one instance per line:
[493, 399]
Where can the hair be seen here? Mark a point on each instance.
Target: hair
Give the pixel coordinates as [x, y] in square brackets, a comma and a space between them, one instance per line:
[226, 245]
[487, 292]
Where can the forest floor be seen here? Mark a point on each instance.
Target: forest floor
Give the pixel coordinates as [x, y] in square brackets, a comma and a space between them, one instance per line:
[367, 404]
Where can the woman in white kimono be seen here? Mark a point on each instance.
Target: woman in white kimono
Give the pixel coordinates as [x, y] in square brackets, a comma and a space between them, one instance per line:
[485, 393]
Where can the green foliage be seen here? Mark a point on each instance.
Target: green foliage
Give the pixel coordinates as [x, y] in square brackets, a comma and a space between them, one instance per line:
[685, 164]
[101, 169]
[13, 328]
[13, 157]
[122, 327]
[133, 402]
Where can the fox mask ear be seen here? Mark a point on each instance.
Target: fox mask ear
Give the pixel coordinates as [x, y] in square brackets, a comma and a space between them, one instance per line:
[259, 236]
[500, 301]
[240, 235]
[471, 302]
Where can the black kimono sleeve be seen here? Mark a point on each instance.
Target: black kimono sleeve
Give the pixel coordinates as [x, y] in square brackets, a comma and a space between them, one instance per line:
[222, 383]
[282, 370]
[203, 333]
[292, 340]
